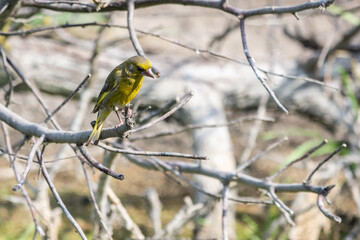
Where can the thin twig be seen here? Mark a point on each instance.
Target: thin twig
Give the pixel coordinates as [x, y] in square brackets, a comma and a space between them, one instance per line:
[158, 111]
[306, 155]
[9, 92]
[154, 209]
[93, 199]
[308, 179]
[149, 153]
[185, 214]
[200, 126]
[25, 194]
[33, 89]
[58, 198]
[261, 77]
[254, 130]
[194, 49]
[98, 165]
[281, 206]
[181, 103]
[129, 223]
[155, 163]
[29, 161]
[68, 98]
[244, 165]
[320, 202]
[131, 28]
[225, 208]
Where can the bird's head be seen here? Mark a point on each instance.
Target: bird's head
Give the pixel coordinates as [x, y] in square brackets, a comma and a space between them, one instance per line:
[139, 66]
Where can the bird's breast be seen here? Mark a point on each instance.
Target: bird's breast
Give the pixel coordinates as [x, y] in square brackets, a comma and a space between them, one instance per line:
[126, 90]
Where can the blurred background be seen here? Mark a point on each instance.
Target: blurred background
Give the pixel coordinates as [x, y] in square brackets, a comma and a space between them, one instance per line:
[312, 64]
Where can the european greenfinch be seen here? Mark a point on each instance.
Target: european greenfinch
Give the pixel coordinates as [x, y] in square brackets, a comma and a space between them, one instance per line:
[121, 86]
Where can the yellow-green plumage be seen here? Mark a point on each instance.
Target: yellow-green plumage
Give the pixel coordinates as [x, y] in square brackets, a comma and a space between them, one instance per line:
[120, 87]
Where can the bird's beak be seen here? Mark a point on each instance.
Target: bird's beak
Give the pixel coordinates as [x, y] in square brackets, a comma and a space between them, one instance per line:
[152, 72]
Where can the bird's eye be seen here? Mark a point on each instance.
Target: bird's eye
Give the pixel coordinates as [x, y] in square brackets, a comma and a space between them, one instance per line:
[132, 68]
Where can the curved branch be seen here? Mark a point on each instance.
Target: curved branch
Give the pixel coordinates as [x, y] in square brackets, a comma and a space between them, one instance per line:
[261, 77]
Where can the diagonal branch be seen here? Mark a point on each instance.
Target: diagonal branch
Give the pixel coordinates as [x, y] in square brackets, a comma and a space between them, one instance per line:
[98, 165]
[68, 98]
[58, 198]
[181, 103]
[306, 155]
[29, 161]
[308, 179]
[93, 199]
[259, 75]
[25, 194]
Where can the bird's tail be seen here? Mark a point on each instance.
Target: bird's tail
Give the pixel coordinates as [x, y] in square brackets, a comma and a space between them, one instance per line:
[95, 134]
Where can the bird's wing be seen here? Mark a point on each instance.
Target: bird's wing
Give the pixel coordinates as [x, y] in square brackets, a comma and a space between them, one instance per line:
[110, 84]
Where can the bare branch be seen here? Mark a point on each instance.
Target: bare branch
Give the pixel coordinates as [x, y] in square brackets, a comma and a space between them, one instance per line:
[9, 92]
[285, 210]
[306, 155]
[68, 98]
[132, 33]
[185, 214]
[93, 199]
[25, 194]
[244, 165]
[31, 129]
[149, 153]
[129, 223]
[228, 176]
[194, 49]
[33, 88]
[254, 130]
[98, 165]
[225, 208]
[260, 76]
[58, 198]
[217, 4]
[199, 126]
[29, 161]
[154, 209]
[159, 111]
[308, 179]
[181, 103]
[320, 202]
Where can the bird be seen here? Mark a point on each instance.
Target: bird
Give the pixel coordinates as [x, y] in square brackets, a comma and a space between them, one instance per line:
[120, 87]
